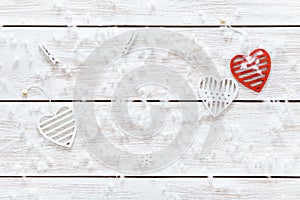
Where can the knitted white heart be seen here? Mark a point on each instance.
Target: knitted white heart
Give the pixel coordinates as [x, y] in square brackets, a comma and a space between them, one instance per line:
[59, 128]
[217, 95]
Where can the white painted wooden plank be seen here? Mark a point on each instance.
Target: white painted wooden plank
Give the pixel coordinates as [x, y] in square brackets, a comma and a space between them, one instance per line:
[23, 65]
[257, 139]
[155, 12]
[143, 188]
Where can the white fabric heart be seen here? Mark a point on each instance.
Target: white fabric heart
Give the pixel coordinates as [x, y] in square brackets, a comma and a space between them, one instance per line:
[217, 95]
[59, 128]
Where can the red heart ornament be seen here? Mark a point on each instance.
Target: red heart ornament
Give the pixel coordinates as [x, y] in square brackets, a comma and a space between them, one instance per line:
[252, 71]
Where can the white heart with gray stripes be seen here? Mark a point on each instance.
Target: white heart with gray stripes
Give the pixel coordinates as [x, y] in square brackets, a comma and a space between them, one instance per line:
[59, 128]
[217, 95]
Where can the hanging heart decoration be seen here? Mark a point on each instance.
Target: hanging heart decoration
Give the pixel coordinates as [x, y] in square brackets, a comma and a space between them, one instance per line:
[59, 128]
[217, 95]
[252, 71]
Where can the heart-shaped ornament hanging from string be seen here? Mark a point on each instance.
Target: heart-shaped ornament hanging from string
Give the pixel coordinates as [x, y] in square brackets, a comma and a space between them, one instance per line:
[217, 95]
[59, 128]
[252, 71]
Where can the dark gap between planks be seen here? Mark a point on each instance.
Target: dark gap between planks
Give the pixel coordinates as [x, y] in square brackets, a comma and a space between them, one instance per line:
[162, 177]
[150, 101]
[151, 26]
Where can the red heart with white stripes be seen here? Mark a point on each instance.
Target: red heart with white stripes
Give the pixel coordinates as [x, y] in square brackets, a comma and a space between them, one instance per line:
[252, 71]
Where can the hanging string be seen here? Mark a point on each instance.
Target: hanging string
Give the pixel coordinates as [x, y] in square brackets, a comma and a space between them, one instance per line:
[25, 94]
[224, 24]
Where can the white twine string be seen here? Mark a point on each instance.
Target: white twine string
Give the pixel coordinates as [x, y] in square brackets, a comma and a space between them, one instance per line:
[43, 92]
[229, 27]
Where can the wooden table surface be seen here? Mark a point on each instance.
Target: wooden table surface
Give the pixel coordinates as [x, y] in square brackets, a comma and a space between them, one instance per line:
[257, 155]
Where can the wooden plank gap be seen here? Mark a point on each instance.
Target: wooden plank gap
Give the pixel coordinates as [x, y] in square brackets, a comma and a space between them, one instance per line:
[136, 101]
[146, 26]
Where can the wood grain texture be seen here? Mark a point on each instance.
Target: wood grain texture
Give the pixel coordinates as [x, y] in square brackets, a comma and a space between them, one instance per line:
[24, 65]
[143, 188]
[156, 12]
[257, 139]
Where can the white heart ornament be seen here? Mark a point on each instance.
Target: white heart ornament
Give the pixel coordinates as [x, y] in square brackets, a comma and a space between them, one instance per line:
[59, 128]
[217, 95]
